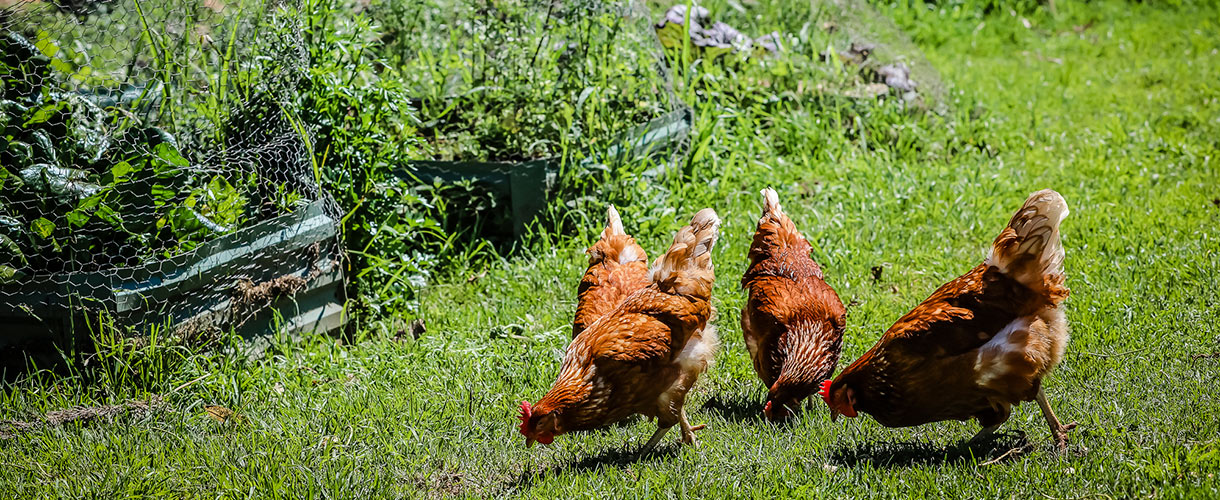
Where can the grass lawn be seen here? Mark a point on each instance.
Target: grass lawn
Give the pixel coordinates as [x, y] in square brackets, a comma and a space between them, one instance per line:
[1115, 105]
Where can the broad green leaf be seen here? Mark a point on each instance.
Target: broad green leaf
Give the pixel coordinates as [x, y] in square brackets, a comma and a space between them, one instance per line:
[8, 274]
[49, 49]
[120, 170]
[77, 218]
[45, 113]
[162, 193]
[42, 227]
[7, 245]
[109, 215]
[21, 151]
[170, 154]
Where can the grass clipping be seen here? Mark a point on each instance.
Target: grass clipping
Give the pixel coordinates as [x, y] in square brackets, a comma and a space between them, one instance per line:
[83, 415]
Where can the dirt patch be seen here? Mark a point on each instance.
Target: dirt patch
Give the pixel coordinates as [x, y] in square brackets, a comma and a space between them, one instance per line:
[440, 484]
[81, 414]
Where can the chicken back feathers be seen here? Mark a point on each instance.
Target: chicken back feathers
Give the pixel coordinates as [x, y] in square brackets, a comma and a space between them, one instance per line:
[644, 355]
[793, 321]
[617, 268]
[980, 343]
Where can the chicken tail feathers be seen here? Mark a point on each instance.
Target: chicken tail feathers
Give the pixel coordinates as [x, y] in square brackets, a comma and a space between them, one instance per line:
[686, 268]
[615, 244]
[1028, 250]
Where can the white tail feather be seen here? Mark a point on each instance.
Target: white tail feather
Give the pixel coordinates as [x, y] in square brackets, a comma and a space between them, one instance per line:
[1031, 250]
[614, 223]
[771, 202]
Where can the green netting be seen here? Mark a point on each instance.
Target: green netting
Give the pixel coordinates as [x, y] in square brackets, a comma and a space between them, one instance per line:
[522, 80]
[138, 136]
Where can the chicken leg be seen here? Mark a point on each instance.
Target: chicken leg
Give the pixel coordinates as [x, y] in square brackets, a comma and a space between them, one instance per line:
[1058, 430]
[984, 434]
[656, 438]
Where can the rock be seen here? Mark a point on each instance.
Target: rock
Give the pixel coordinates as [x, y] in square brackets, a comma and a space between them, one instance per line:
[897, 76]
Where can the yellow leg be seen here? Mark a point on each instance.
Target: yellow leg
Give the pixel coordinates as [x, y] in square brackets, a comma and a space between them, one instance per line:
[1058, 430]
[656, 438]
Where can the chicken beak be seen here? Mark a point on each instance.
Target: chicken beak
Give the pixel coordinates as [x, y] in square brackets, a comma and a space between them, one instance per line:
[529, 441]
[834, 415]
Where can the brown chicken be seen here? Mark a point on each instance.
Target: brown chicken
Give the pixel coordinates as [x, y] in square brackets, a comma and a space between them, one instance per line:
[617, 268]
[793, 321]
[643, 356]
[980, 344]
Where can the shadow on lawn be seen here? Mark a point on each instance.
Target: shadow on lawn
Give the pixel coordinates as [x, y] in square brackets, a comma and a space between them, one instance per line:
[1003, 447]
[734, 408]
[612, 457]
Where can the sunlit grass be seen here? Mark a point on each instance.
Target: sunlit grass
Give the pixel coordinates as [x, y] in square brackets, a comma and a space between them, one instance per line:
[1119, 116]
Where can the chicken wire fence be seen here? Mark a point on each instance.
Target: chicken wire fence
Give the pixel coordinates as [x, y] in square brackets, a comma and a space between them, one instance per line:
[153, 165]
[524, 80]
[150, 167]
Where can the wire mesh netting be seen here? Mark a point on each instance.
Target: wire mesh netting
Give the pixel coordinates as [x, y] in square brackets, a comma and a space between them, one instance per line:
[531, 101]
[155, 165]
[517, 81]
[149, 164]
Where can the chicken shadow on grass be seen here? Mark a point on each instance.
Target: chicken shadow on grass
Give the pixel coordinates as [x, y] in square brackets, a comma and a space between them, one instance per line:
[734, 408]
[610, 457]
[1002, 447]
[749, 410]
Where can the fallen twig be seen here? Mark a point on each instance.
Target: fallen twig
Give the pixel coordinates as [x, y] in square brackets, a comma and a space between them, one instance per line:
[1018, 450]
[1119, 355]
[188, 384]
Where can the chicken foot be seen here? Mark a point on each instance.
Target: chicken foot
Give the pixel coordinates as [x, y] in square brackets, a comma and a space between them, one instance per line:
[688, 431]
[1058, 430]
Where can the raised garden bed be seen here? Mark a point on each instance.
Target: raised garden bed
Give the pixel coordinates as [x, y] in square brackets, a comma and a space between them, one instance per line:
[283, 274]
[524, 186]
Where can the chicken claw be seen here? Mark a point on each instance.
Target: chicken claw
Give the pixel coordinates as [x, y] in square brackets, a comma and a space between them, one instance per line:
[1058, 430]
[688, 431]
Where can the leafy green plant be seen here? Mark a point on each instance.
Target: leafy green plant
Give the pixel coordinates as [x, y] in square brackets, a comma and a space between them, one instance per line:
[364, 136]
[523, 80]
[84, 191]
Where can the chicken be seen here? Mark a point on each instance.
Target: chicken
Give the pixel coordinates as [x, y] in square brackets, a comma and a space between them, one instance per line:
[793, 321]
[643, 356]
[980, 344]
[617, 268]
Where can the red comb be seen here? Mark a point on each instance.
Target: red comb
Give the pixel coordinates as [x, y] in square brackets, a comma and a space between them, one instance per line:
[526, 411]
[825, 392]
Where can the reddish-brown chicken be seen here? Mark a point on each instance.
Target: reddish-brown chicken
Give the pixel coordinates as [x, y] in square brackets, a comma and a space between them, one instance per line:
[793, 321]
[617, 268]
[643, 356]
[980, 344]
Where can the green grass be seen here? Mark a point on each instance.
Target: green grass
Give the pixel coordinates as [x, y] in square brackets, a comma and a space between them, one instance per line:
[1120, 117]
